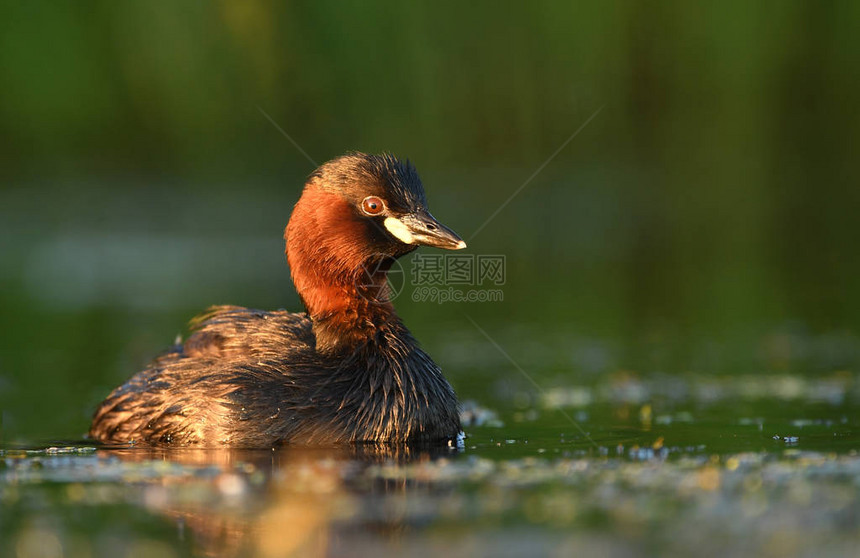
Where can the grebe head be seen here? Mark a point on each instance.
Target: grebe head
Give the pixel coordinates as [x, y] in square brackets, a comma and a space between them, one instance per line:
[357, 213]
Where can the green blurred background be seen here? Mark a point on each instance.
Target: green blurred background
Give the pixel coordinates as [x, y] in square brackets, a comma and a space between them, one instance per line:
[705, 220]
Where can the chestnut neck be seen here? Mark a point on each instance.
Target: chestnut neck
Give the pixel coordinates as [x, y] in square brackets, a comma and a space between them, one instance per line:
[341, 280]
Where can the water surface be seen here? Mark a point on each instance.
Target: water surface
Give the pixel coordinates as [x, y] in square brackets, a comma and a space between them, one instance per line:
[737, 465]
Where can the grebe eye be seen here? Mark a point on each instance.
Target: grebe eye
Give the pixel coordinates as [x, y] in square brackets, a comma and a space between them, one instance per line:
[372, 205]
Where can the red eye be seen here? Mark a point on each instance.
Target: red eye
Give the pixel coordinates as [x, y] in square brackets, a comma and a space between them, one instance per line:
[372, 205]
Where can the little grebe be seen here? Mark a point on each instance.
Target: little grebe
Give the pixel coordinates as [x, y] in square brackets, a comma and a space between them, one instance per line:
[346, 371]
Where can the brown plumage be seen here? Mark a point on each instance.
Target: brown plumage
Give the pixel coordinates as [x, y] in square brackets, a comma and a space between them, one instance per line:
[348, 370]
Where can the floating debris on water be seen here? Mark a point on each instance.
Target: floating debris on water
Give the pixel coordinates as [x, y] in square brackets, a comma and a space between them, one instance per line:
[630, 389]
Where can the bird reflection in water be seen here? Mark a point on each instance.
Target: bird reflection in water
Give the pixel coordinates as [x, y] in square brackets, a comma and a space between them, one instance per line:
[288, 501]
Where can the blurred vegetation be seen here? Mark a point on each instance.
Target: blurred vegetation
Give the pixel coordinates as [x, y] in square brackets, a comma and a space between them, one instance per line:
[705, 219]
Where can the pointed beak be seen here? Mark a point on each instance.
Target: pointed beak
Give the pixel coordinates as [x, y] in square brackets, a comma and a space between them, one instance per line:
[422, 229]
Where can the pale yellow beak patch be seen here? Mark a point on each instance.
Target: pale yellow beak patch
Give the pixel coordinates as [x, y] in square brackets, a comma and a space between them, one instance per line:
[399, 230]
